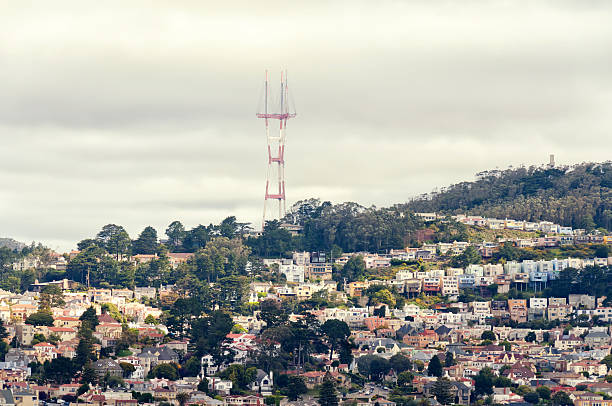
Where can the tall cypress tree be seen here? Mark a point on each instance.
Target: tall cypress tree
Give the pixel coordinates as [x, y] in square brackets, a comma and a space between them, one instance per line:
[90, 318]
[449, 361]
[435, 367]
[327, 393]
[84, 351]
[3, 332]
[4, 347]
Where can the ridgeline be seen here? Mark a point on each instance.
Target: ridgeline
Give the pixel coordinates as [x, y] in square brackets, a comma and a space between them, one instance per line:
[579, 196]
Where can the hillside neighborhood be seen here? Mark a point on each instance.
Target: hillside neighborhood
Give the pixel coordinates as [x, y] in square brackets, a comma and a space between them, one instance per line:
[306, 203]
[440, 323]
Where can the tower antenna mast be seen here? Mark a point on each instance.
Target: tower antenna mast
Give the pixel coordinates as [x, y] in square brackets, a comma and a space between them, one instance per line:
[276, 147]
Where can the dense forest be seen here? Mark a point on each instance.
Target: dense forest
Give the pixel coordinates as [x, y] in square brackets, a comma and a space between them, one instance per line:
[579, 196]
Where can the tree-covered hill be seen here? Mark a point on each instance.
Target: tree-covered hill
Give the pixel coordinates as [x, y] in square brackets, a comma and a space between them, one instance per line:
[579, 196]
[347, 227]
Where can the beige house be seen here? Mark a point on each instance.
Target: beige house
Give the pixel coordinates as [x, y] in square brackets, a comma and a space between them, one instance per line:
[592, 367]
[64, 333]
[64, 321]
[20, 312]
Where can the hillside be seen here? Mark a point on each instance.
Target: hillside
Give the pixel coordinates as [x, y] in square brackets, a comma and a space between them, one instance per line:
[579, 196]
[479, 234]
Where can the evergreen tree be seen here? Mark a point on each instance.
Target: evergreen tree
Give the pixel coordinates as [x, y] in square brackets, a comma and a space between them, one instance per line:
[336, 331]
[88, 375]
[400, 363]
[442, 390]
[296, 386]
[84, 350]
[3, 332]
[59, 370]
[327, 393]
[228, 227]
[373, 366]
[146, 243]
[435, 367]
[84, 388]
[210, 332]
[345, 355]
[197, 237]
[150, 319]
[90, 317]
[40, 318]
[176, 234]
[404, 379]
[532, 397]
[354, 268]
[562, 399]
[483, 382]
[51, 296]
[543, 392]
[467, 257]
[4, 347]
[449, 361]
[115, 240]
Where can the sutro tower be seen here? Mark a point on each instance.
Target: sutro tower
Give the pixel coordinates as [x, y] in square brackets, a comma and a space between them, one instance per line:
[276, 146]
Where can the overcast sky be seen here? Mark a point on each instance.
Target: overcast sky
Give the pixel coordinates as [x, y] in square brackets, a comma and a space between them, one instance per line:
[141, 113]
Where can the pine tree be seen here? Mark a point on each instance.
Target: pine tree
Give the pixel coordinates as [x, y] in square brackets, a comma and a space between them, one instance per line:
[84, 350]
[296, 387]
[483, 382]
[89, 374]
[327, 393]
[4, 347]
[3, 332]
[449, 361]
[435, 367]
[90, 317]
[146, 243]
[442, 390]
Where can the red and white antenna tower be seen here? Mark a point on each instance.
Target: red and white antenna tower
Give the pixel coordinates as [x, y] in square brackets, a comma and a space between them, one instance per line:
[276, 146]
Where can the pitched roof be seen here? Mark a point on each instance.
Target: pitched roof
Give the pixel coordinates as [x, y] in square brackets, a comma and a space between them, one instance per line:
[443, 330]
[39, 345]
[602, 334]
[106, 318]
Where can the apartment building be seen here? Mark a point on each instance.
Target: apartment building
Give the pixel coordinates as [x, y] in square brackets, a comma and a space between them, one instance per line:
[518, 310]
[538, 303]
[450, 285]
[293, 272]
[319, 271]
[481, 307]
[559, 312]
[432, 285]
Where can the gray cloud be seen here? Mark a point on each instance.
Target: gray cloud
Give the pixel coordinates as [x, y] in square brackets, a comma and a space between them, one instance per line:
[145, 113]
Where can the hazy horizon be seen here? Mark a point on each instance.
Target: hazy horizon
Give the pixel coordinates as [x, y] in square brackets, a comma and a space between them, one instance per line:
[144, 113]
